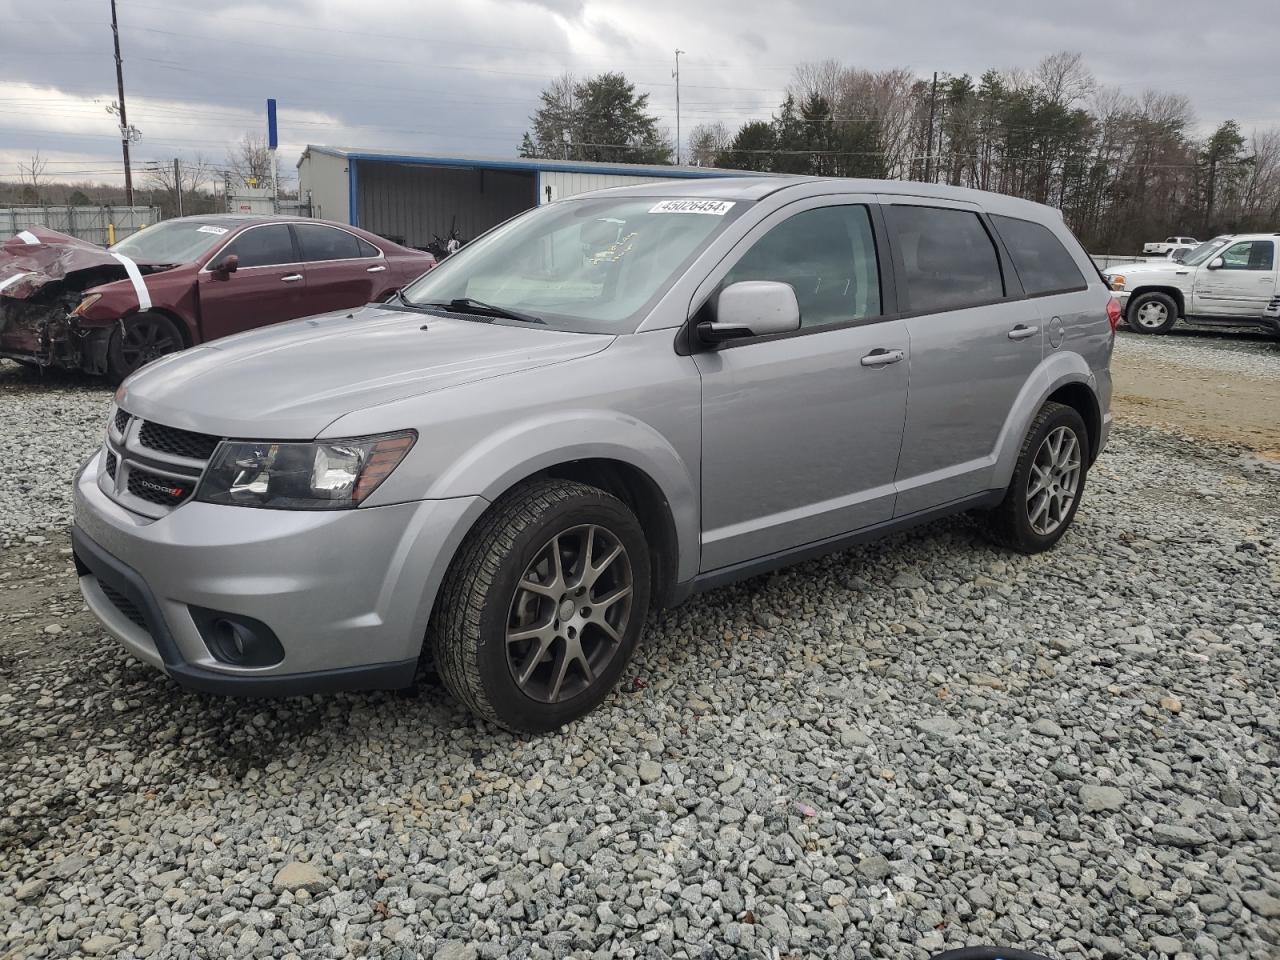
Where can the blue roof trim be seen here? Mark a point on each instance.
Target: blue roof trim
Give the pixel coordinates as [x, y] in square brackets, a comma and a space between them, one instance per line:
[546, 166]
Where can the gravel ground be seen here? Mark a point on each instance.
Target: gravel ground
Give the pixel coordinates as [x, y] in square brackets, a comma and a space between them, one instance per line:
[1209, 351]
[911, 746]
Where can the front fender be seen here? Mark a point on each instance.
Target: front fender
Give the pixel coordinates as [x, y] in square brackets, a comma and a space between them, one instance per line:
[1055, 371]
[503, 458]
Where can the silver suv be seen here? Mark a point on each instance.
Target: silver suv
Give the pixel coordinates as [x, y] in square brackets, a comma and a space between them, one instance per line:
[601, 406]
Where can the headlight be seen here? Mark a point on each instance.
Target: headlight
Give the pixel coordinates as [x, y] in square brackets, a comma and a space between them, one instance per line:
[85, 304]
[324, 475]
[1117, 281]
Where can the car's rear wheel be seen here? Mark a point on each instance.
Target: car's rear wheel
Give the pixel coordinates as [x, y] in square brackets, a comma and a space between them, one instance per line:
[1152, 313]
[139, 339]
[1047, 485]
[542, 607]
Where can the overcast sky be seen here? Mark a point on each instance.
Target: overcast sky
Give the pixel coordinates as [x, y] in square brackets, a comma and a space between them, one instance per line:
[463, 77]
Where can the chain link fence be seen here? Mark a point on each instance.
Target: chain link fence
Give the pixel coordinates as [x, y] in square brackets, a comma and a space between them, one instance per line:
[85, 223]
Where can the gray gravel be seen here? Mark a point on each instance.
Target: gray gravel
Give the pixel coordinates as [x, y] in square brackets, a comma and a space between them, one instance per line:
[908, 747]
[1206, 349]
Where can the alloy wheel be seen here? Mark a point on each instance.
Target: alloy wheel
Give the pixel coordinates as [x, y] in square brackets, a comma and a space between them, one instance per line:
[1054, 481]
[144, 339]
[1152, 314]
[569, 614]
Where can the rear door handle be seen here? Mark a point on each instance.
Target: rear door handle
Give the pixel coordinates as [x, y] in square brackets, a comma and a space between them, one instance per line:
[375, 269]
[882, 358]
[1022, 331]
[291, 278]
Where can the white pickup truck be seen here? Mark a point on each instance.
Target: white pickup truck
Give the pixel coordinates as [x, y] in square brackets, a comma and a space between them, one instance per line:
[1168, 246]
[1230, 280]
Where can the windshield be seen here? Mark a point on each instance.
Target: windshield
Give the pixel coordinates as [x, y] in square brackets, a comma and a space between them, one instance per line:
[176, 241]
[1203, 252]
[587, 266]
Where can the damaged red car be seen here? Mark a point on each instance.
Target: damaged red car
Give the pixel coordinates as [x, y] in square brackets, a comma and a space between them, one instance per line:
[67, 303]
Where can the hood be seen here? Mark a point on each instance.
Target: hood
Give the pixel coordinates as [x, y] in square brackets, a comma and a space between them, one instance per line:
[38, 259]
[1147, 266]
[291, 380]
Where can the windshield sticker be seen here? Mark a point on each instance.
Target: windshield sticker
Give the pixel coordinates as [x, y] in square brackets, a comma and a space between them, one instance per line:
[216, 231]
[716, 208]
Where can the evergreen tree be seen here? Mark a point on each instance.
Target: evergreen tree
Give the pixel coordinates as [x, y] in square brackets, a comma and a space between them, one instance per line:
[601, 118]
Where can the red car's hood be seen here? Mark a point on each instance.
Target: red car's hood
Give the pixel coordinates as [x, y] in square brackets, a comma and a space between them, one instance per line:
[36, 257]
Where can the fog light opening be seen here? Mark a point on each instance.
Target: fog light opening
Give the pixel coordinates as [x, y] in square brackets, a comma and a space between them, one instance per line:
[238, 640]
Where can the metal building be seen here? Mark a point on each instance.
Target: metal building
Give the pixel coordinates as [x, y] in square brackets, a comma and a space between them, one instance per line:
[413, 198]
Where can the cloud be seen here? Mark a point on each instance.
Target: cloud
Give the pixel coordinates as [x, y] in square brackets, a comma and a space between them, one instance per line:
[464, 77]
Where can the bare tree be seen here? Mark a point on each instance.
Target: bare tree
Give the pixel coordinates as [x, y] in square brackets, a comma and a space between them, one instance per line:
[706, 142]
[194, 176]
[1063, 79]
[30, 174]
[250, 161]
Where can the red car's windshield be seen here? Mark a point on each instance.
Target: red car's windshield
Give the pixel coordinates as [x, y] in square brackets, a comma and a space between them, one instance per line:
[177, 241]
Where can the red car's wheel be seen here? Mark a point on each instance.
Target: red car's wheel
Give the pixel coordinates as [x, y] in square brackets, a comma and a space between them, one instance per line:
[139, 340]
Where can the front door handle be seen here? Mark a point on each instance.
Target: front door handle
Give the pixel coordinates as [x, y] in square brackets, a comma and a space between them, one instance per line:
[377, 269]
[291, 278]
[882, 358]
[1022, 332]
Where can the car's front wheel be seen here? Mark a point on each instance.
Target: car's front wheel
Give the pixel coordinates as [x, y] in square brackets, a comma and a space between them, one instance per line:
[139, 339]
[543, 606]
[1152, 313]
[1048, 482]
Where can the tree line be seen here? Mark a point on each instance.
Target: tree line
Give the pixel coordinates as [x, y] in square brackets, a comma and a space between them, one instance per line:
[199, 180]
[1123, 168]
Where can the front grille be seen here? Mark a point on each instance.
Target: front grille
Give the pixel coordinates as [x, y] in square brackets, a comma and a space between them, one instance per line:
[158, 489]
[111, 464]
[122, 421]
[124, 605]
[179, 443]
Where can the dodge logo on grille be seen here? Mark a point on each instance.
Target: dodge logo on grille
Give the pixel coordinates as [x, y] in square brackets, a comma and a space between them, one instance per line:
[166, 489]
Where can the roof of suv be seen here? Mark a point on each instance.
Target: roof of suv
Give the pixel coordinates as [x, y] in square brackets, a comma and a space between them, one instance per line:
[759, 187]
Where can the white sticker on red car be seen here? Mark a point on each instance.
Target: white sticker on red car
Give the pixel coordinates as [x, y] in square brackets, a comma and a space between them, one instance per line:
[26, 236]
[715, 208]
[135, 277]
[209, 228]
[10, 281]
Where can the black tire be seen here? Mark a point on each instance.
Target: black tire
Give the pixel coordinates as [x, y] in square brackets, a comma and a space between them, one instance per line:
[1011, 524]
[1153, 303]
[481, 594]
[144, 337]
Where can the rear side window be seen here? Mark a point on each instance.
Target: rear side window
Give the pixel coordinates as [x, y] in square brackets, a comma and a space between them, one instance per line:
[828, 255]
[948, 258]
[325, 243]
[1042, 262]
[263, 246]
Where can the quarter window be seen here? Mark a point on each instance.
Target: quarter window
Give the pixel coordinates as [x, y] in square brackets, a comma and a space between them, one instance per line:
[1250, 255]
[325, 243]
[827, 255]
[263, 246]
[948, 258]
[1042, 262]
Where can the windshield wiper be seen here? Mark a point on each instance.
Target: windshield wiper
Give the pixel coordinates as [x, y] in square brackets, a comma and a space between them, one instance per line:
[470, 305]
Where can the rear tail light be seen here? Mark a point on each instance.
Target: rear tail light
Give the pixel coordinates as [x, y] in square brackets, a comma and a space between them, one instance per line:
[1114, 313]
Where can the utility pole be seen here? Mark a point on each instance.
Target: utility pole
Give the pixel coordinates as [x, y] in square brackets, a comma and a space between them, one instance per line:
[177, 183]
[124, 120]
[676, 74]
[928, 149]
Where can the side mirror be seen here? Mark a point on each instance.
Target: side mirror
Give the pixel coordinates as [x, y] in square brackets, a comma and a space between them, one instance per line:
[227, 265]
[752, 308]
[1215, 263]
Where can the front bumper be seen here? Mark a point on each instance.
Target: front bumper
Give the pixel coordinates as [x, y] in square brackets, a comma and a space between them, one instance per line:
[57, 342]
[347, 593]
